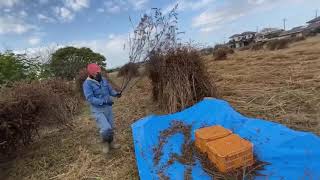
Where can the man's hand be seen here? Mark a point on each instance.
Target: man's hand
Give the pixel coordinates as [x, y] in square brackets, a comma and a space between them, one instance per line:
[110, 103]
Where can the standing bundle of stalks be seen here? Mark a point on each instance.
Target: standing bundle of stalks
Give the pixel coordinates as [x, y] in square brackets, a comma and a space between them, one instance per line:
[129, 69]
[179, 79]
[80, 78]
[221, 52]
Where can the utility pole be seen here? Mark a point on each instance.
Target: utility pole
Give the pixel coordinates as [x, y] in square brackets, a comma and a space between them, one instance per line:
[316, 13]
[284, 23]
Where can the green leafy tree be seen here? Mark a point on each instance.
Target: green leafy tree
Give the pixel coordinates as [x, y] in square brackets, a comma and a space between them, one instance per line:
[15, 67]
[68, 61]
[11, 68]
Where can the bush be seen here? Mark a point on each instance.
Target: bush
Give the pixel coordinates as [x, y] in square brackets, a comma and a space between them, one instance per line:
[206, 51]
[257, 46]
[297, 39]
[179, 79]
[129, 69]
[277, 44]
[25, 107]
[244, 48]
[218, 46]
[222, 52]
[113, 70]
[15, 67]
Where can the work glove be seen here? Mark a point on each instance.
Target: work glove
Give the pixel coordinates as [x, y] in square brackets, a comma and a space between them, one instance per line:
[118, 95]
[109, 103]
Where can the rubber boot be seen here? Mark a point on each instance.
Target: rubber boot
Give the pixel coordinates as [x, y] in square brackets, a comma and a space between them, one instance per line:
[105, 148]
[114, 145]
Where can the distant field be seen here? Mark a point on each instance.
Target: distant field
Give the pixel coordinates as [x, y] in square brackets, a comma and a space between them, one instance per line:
[281, 86]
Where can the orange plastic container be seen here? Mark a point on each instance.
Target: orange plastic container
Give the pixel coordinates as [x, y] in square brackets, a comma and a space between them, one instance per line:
[207, 134]
[230, 152]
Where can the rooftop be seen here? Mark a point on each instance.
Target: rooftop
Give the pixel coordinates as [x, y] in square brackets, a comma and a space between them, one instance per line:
[242, 34]
[317, 19]
[235, 35]
[293, 30]
[247, 32]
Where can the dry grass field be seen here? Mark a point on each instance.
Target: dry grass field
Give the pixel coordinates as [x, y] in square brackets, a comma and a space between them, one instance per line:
[281, 86]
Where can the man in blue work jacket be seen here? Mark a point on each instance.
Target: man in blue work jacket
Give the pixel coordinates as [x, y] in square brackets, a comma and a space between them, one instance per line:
[99, 93]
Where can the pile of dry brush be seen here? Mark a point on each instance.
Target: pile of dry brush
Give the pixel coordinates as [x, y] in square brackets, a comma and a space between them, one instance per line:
[277, 44]
[221, 52]
[26, 107]
[179, 78]
[129, 69]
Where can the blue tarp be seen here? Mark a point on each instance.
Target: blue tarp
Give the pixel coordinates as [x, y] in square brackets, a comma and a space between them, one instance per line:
[291, 154]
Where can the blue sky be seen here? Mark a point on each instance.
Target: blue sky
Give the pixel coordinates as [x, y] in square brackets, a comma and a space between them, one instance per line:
[103, 25]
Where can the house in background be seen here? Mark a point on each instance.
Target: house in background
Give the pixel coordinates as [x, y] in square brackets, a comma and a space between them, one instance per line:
[314, 25]
[241, 40]
[294, 32]
[268, 34]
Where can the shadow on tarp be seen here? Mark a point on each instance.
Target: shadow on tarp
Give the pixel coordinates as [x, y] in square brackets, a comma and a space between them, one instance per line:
[291, 154]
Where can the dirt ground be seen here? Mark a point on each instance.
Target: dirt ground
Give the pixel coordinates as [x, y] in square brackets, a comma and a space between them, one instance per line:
[281, 86]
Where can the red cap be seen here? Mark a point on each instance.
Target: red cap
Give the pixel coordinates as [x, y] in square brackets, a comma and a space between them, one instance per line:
[93, 69]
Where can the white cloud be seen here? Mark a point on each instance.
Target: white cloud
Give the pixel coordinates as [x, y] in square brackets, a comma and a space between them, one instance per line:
[45, 18]
[34, 41]
[114, 6]
[112, 48]
[210, 21]
[23, 13]
[111, 36]
[64, 14]
[43, 1]
[100, 10]
[14, 25]
[67, 12]
[255, 1]
[117, 6]
[77, 5]
[218, 15]
[138, 4]
[210, 28]
[189, 5]
[7, 10]
[114, 9]
[43, 53]
[8, 3]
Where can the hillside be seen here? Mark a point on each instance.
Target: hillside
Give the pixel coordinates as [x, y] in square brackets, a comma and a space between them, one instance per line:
[281, 86]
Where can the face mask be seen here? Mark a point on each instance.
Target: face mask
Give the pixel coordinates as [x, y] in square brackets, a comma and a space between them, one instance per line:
[98, 77]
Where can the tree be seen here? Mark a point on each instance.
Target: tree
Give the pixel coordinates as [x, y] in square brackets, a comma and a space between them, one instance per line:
[68, 61]
[15, 67]
[12, 68]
